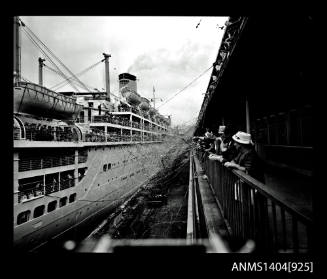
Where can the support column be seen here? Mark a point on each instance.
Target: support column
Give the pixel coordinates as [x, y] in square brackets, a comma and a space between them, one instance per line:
[44, 185]
[76, 168]
[247, 112]
[16, 184]
[288, 128]
[131, 121]
[106, 132]
[59, 184]
[268, 128]
[142, 128]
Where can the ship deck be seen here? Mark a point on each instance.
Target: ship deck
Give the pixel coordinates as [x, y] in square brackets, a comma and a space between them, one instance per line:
[66, 144]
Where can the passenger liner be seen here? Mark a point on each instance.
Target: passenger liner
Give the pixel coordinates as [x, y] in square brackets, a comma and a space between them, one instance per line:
[77, 156]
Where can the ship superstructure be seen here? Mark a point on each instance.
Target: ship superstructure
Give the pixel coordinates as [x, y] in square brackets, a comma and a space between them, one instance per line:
[78, 155]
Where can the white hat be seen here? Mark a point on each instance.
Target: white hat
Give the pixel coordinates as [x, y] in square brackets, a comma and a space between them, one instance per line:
[243, 138]
[221, 129]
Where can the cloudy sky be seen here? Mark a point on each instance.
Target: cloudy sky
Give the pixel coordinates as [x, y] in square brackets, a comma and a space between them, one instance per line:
[166, 53]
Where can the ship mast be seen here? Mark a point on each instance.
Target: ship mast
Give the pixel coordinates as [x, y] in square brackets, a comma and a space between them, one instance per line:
[41, 64]
[17, 50]
[106, 60]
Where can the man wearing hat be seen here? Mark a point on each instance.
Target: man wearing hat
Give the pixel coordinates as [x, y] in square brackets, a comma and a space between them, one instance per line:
[225, 150]
[247, 159]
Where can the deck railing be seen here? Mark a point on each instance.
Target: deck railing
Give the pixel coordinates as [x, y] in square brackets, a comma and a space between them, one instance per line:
[45, 162]
[30, 193]
[254, 211]
[82, 158]
[41, 190]
[33, 134]
[16, 133]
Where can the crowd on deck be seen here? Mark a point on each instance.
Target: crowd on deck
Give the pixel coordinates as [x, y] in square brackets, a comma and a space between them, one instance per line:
[42, 132]
[234, 151]
[97, 135]
[37, 188]
[121, 120]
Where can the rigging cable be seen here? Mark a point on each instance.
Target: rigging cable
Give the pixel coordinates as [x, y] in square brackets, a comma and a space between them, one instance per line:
[62, 83]
[185, 87]
[48, 57]
[70, 79]
[60, 62]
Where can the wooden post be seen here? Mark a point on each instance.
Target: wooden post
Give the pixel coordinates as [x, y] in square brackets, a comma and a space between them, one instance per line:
[288, 128]
[16, 184]
[247, 112]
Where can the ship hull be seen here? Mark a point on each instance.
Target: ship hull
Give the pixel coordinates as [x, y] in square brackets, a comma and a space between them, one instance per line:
[96, 194]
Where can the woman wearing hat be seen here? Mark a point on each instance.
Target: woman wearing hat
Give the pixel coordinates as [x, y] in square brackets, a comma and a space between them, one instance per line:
[247, 159]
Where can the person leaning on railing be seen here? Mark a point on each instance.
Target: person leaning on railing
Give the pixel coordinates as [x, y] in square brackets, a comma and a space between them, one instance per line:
[208, 143]
[224, 146]
[246, 159]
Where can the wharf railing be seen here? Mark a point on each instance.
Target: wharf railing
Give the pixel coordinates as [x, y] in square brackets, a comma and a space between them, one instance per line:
[126, 246]
[254, 211]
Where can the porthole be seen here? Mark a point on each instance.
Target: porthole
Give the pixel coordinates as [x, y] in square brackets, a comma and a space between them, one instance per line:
[72, 197]
[52, 206]
[62, 201]
[23, 217]
[38, 211]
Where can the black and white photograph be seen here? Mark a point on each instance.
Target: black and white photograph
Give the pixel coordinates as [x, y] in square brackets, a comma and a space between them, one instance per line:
[183, 134]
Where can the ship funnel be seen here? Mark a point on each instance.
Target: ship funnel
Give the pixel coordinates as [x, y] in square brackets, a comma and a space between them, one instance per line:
[106, 61]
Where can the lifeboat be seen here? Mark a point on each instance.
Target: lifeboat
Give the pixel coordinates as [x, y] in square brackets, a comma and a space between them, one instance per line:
[152, 112]
[38, 100]
[167, 121]
[145, 104]
[133, 98]
[124, 90]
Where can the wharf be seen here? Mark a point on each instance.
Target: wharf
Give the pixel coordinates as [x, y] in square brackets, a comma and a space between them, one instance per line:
[210, 218]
